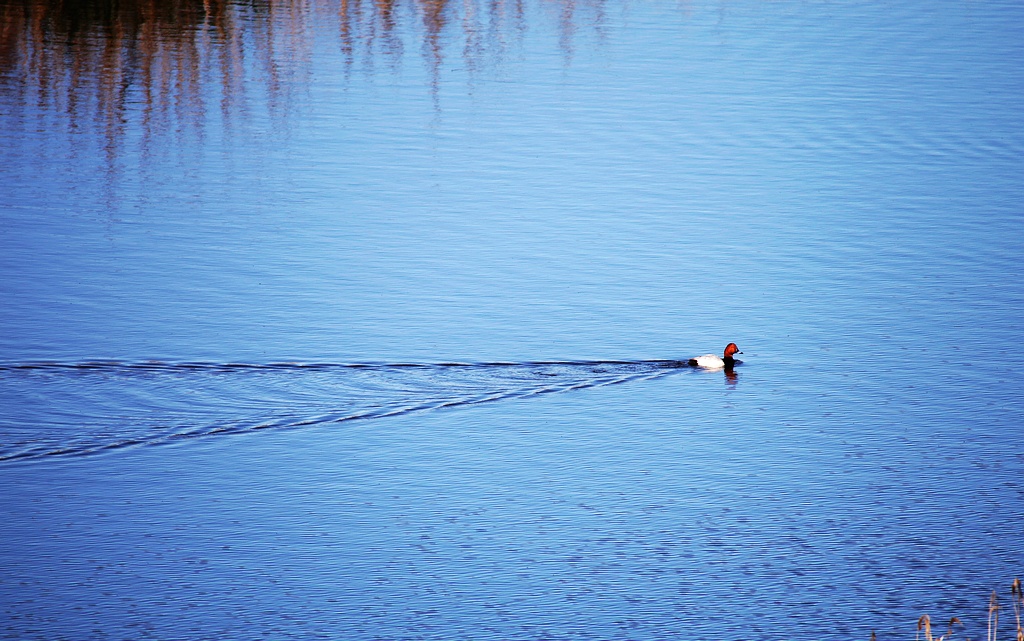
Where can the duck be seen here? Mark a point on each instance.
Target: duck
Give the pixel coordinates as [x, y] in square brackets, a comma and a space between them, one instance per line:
[710, 361]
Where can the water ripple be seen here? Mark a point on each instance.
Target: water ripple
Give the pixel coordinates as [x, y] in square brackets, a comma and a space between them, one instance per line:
[57, 409]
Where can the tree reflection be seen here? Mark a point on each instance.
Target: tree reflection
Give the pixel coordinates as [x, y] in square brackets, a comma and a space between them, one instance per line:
[171, 64]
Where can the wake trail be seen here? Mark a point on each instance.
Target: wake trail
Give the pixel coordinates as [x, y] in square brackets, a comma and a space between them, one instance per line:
[85, 408]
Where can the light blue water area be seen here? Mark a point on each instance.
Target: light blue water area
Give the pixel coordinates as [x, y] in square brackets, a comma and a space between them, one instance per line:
[362, 320]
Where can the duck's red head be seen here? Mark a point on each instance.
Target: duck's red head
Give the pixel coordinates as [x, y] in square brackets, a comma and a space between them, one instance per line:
[731, 349]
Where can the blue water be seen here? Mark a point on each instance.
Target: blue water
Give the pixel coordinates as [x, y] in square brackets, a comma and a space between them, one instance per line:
[361, 320]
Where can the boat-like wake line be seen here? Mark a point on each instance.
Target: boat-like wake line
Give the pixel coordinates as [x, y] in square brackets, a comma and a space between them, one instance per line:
[50, 409]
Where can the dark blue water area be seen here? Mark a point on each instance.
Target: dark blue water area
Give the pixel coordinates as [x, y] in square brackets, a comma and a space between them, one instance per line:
[370, 326]
[688, 505]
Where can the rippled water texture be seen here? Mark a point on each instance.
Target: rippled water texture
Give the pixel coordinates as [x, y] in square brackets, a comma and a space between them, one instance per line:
[367, 320]
[132, 404]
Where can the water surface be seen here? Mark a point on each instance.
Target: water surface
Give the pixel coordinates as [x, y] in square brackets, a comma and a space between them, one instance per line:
[485, 230]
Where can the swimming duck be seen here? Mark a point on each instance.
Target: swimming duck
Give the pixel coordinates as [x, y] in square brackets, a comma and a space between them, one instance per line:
[710, 361]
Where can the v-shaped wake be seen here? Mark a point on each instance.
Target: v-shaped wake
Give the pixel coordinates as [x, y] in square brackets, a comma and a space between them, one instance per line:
[52, 409]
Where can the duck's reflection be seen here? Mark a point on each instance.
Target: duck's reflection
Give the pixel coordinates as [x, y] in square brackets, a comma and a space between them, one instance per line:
[731, 377]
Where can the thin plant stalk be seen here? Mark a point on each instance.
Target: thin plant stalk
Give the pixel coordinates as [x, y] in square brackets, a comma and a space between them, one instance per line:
[949, 631]
[993, 616]
[1018, 603]
[924, 623]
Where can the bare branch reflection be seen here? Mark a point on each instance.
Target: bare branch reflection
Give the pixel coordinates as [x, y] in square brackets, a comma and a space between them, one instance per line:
[171, 65]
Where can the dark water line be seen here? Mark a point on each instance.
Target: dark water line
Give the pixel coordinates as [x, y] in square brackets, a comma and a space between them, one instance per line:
[655, 369]
[114, 367]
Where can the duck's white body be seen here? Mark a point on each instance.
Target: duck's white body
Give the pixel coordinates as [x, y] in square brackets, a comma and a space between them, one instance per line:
[710, 361]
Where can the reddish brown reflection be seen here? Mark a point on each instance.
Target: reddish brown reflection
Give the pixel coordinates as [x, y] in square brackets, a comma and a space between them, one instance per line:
[171, 65]
[164, 62]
